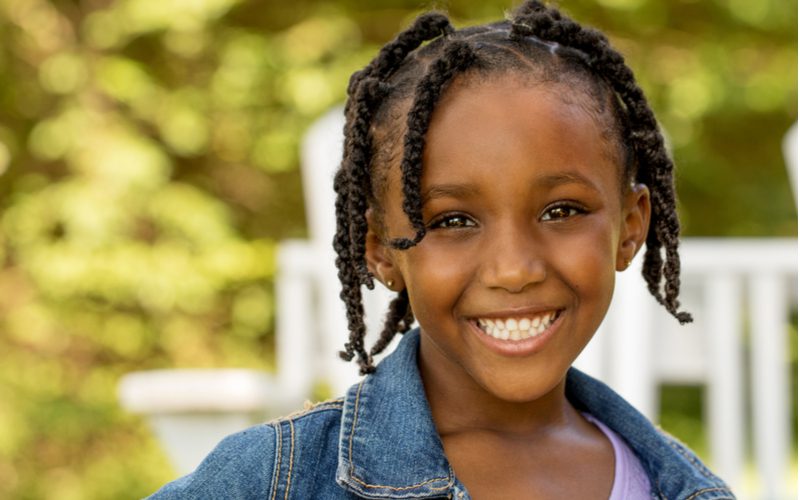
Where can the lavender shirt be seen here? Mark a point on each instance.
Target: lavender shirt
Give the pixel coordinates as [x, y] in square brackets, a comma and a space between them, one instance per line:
[630, 479]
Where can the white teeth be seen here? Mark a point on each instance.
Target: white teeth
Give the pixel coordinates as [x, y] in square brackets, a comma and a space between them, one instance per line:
[517, 328]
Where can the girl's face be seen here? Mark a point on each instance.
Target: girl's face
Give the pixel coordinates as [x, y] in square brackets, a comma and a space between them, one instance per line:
[527, 223]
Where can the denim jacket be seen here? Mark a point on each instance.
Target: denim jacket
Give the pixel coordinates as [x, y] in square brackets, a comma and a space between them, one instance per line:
[379, 442]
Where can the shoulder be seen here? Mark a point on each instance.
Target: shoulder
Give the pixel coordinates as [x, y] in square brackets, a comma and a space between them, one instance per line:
[263, 460]
[683, 474]
[712, 486]
[239, 466]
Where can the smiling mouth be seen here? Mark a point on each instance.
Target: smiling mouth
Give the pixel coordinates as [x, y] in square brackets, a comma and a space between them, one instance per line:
[521, 328]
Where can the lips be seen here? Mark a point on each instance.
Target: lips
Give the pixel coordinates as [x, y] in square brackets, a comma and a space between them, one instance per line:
[519, 327]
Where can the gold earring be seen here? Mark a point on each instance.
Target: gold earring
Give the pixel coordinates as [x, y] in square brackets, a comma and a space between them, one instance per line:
[390, 283]
[627, 263]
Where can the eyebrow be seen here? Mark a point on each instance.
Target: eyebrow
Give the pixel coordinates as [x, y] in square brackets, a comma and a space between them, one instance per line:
[555, 180]
[460, 191]
[449, 191]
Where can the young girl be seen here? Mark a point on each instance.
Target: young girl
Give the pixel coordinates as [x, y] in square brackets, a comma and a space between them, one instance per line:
[495, 178]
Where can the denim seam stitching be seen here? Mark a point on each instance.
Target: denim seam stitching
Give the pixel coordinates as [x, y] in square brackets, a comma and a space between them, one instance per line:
[277, 472]
[699, 466]
[353, 427]
[657, 486]
[324, 405]
[402, 488]
[705, 490]
[298, 415]
[291, 460]
[350, 456]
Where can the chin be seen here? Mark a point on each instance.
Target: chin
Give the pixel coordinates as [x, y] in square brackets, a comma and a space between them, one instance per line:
[522, 390]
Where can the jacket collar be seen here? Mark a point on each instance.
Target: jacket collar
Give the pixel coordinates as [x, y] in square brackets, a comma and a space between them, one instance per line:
[389, 447]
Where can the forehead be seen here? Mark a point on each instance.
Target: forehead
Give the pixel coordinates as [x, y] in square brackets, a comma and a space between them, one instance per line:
[499, 121]
[569, 92]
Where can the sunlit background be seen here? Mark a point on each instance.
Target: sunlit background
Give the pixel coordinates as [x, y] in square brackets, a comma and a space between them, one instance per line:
[149, 166]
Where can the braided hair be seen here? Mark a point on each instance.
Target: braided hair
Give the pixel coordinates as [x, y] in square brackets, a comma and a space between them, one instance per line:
[408, 77]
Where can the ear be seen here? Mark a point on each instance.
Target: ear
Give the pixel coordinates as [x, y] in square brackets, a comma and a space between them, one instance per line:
[379, 256]
[634, 225]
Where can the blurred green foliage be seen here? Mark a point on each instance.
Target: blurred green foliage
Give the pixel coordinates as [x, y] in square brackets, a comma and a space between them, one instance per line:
[149, 165]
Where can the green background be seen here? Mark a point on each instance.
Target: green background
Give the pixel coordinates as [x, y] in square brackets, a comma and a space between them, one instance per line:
[149, 167]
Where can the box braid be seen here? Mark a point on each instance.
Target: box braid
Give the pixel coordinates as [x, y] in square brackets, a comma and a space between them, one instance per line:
[539, 42]
[352, 184]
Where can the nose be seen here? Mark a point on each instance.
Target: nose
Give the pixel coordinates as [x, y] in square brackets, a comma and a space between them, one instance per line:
[512, 260]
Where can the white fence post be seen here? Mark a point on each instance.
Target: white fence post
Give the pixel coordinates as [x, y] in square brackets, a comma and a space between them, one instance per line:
[768, 343]
[725, 401]
[295, 327]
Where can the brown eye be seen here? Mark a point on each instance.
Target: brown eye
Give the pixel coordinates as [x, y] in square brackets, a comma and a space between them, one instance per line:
[452, 222]
[560, 212]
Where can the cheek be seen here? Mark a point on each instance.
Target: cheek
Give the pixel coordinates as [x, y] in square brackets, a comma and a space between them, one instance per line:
[434, 278]
[587, 260]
